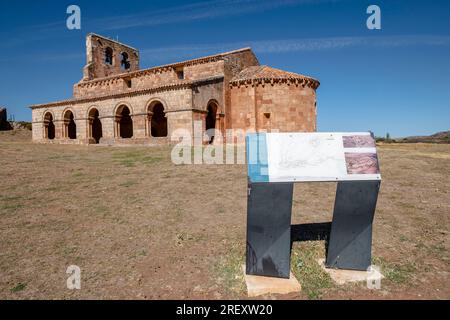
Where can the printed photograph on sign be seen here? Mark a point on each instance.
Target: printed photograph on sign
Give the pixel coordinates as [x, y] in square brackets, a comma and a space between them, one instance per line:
[359, 141]
[362, 163]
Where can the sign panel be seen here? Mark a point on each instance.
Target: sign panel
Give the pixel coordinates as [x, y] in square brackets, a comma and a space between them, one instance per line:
[318, 156]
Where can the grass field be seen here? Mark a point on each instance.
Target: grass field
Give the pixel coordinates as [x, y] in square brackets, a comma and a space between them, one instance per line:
[140, 227]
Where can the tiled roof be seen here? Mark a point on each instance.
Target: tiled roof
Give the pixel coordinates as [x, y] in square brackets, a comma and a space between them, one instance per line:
[261, 74]
[265, 72]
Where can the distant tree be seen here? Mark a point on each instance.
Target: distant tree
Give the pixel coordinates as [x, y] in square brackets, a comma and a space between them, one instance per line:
[388, 138]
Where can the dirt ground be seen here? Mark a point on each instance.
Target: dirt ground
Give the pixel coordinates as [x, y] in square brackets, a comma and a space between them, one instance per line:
[140, 227]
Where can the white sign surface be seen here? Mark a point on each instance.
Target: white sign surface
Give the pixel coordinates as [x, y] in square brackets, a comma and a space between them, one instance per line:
[321, 157]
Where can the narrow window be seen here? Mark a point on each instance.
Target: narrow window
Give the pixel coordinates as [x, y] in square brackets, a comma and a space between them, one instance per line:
[125, 63]
[109, 56]
[180, 74]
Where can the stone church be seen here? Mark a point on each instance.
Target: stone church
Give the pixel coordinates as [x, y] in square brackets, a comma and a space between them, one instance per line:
[116, 102]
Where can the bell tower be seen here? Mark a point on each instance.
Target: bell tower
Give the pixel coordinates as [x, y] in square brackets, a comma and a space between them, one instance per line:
[107, 57]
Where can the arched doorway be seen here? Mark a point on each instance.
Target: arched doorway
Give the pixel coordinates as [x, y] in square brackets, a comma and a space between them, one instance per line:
[157, 120]
[95, 125]
[211, 117]
[70, 128]
[124, 122]
[49, 126]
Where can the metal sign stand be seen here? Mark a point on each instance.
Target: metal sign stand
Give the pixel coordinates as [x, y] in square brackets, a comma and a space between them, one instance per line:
[269, 229]
[350, 244]
[269, 206]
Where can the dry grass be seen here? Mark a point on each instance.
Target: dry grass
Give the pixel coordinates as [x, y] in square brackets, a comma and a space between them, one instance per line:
[141, 227]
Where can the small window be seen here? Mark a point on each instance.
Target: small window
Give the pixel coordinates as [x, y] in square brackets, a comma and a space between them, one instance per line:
[109, 56]
[128, 83]
[125, 63]
[180, 74]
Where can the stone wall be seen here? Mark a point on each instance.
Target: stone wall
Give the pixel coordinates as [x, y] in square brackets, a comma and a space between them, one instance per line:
[204, 70]
[182, 106]
[204, 94]
[234, 64]
[173, 101]
[282, 106]
[126, 82]
[242, 115]
[96, 47]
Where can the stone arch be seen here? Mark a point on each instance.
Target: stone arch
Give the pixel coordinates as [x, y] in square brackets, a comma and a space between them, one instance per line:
[157, 119]
[212, 118]
[49, 125]
[69, 125]
[123, 121]
[216, 103]
[95, 130]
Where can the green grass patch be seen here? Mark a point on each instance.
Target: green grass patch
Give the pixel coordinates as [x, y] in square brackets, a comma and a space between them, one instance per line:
[313, 279]
[130, 158]
[10, 198]
[53, 188]
[127, 184]
[59, 157]
[11, 206]
[19, 287]
[396, 273]
[439, 248]
[78, 174]
[229, 271]
[101, 210]
[151, 159]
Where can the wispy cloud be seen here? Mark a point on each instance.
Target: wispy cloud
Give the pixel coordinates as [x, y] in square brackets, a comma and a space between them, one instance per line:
[170, 15]
[197, 11]
[294, 45]
[152, 56]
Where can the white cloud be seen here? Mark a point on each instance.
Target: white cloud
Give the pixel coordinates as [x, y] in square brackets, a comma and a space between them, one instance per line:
[154, 56]
[294, 45]
[170, 15]
[197, 11]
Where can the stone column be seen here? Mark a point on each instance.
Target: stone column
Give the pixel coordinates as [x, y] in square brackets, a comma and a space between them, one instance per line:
[45, 124]
[65, 129]
[59, 127]
[117, 126]
[89, 122]
[108, 127]
[148, 124]
[82, 130]
[170, 127]
[139, 125]
[220, 128]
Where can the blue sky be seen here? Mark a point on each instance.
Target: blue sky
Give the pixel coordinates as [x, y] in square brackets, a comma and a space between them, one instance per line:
[394, 80]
